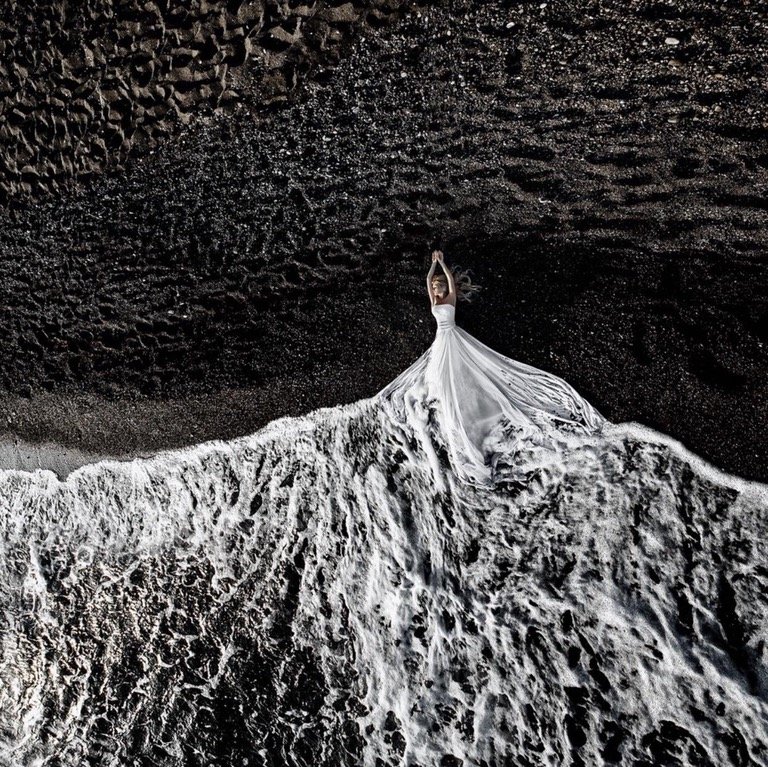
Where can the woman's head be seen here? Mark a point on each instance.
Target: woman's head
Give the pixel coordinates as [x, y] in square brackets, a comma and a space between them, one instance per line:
[440, 286]
[465, 288]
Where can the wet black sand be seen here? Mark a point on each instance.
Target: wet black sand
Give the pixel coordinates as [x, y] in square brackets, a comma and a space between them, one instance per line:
[605, 183]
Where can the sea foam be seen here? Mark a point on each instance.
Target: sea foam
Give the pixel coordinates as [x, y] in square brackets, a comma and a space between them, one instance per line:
[327, 592]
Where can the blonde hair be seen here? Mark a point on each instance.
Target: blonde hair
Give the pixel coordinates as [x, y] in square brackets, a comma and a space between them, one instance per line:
[465, 288]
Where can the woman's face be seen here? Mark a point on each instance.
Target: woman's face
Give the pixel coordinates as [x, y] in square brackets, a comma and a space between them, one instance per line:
[439, 288]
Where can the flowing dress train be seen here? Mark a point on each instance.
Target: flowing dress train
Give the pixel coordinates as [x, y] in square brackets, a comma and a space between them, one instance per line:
[485, 402]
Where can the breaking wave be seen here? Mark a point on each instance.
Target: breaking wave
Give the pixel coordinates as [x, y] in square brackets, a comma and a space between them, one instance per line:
[326, 592]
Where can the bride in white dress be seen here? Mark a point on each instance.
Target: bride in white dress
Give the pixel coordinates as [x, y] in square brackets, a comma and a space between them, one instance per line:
[486, 403]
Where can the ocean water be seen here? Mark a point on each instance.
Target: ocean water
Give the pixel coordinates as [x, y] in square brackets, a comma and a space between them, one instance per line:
[326, 592]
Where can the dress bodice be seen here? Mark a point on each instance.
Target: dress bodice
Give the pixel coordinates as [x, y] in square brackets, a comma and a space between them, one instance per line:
[445, 314]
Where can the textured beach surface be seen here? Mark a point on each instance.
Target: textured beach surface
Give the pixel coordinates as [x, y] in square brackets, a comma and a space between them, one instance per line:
[218, 215]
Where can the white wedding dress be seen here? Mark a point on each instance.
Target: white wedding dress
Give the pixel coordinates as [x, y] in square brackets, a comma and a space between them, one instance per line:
[486, 404]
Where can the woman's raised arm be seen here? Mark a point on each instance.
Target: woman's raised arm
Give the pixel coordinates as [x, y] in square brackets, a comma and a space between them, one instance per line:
[430, 274]
[449, 277]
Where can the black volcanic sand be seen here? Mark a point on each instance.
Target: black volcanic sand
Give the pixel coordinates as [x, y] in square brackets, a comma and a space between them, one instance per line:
[82, 85]
[602, 170]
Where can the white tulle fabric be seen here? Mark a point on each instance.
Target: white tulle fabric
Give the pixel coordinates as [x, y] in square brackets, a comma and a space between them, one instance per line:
[487, 404]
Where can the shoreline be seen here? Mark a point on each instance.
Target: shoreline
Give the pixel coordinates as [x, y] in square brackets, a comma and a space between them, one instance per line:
[19, 455]
[64, 433]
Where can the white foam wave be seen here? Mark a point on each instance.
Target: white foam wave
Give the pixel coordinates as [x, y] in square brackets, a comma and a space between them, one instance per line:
[327, 592]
